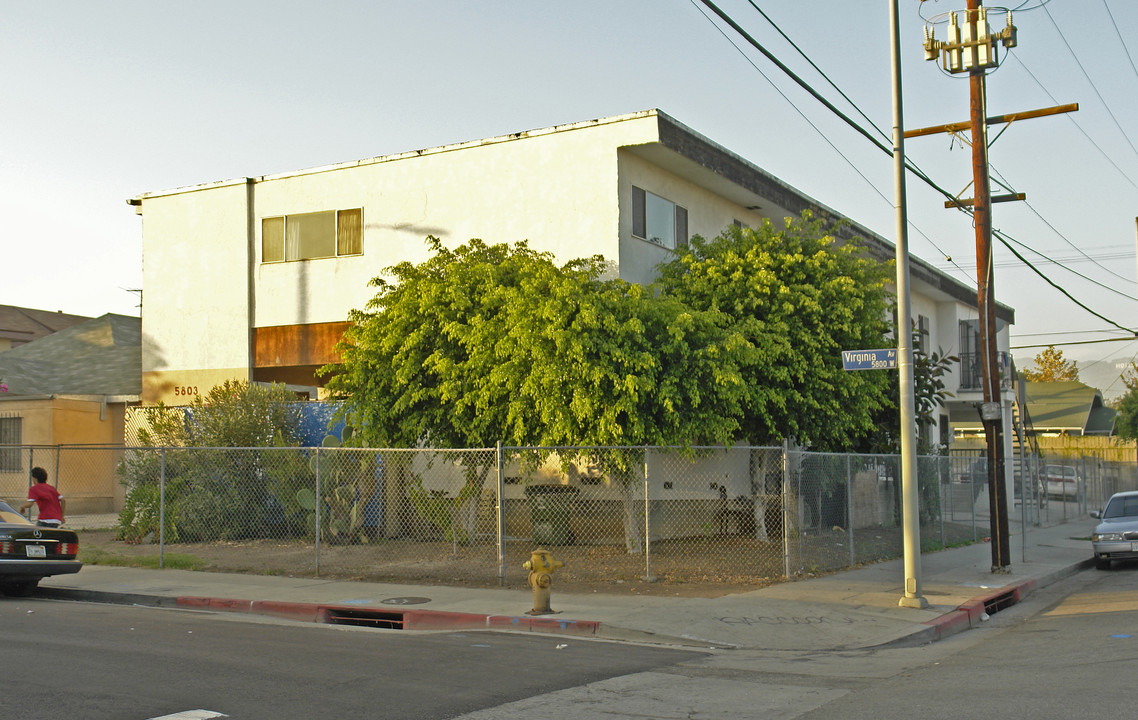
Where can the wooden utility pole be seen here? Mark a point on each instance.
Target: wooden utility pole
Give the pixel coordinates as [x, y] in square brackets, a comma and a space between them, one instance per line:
[992, 410]
[971, 47]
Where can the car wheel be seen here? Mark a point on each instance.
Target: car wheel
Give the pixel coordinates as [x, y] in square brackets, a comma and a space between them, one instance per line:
[1101, 564]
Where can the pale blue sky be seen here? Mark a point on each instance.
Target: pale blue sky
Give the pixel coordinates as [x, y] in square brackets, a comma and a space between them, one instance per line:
[104, 101]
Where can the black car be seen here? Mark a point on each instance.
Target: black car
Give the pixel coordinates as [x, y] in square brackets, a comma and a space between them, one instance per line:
[29, 553]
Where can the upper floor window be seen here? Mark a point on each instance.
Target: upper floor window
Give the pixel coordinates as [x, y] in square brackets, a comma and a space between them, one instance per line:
[305, 236]
[658, 219]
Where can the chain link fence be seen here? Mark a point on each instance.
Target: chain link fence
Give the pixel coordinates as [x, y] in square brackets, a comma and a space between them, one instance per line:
[706, 516]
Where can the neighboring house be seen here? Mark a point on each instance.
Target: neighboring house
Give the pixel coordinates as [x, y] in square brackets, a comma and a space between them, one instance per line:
[1068, 408]
[254, 278]
[70, 389]
[20, 326]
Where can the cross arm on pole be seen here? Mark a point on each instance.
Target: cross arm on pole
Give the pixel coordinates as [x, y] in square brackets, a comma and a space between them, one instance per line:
[994, 120]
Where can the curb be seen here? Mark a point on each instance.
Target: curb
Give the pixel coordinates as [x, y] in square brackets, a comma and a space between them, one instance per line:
[972, 613]
[388, 618]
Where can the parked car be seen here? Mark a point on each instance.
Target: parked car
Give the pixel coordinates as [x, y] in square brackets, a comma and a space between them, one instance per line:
[29, 553]
[1062, 481]
[1116, 536]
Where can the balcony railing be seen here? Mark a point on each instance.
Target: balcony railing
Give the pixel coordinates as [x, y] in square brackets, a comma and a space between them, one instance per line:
[972, 371]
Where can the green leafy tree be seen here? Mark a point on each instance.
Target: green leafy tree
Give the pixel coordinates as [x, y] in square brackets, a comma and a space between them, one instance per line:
[490, 343]
[800, 298]
[1050, 366]
[1126, 425]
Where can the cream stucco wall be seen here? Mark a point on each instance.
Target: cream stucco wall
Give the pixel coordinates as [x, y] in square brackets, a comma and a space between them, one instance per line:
[195, 271]
[556, 190]
[708, 214]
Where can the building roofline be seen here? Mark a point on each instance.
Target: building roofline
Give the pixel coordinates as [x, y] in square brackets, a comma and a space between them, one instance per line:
[497, 139]
[688, 143]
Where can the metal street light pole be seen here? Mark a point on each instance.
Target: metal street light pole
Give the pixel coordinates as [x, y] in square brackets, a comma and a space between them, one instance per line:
[909, 496]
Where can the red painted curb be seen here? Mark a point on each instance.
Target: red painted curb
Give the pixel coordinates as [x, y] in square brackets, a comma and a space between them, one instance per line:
[967, 615]
[410, 619]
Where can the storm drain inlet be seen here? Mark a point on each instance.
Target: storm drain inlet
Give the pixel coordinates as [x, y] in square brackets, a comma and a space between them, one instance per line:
[363, 618]
[1003, 601]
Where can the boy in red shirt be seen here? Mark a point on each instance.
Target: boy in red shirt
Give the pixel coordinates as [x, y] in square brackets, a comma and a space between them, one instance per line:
[50, 503]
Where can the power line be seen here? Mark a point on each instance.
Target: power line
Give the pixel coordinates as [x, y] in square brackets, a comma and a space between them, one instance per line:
[1121, 42]
[1055, 230]
[1073, 342]
[1073, 121]
[1073, 272]
[861, 131]
[856, 107]
[1092, 83]
[1064, 332]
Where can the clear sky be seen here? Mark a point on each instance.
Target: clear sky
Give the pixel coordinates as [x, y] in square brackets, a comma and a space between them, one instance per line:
[104, 101]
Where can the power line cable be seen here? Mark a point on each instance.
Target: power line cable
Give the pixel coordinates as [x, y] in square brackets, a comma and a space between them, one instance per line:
[1122, 42]
[1064, 238]
[1073, 342]
[811, 123]
[861, 131]
[823, 100]
[796, 108]
[1063, 332]
[1092, 83]
[1073, 121]
[1003, 239]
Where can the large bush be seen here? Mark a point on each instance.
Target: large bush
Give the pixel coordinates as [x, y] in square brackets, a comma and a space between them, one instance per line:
[222, 488]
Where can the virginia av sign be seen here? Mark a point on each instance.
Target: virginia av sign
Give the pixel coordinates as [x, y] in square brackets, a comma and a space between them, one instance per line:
[884, 359]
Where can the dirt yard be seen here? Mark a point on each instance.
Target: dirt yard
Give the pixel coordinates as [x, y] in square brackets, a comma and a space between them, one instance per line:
[695, 567]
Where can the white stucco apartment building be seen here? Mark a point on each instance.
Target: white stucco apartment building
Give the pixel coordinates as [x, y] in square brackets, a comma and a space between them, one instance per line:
[253, 278]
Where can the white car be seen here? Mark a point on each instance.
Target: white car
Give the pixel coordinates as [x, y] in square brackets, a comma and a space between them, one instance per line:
[1116, 536]
[1061, 481]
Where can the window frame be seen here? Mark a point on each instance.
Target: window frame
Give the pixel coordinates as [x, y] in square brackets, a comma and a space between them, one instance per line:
[10, 455]
[640, 219]
[341, 224]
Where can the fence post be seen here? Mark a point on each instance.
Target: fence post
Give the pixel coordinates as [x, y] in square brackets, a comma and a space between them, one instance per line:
[57, 454]
[162, 512]
[786, 507]
[942, 473]
[647, 523]
[501, 518]
[319, 502]
[850, 507]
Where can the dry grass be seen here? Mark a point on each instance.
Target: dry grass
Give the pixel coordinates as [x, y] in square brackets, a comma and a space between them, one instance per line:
[695, 567]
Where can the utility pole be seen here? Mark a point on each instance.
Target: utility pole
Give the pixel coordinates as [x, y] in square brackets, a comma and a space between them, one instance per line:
[971, 48]
[992, 410]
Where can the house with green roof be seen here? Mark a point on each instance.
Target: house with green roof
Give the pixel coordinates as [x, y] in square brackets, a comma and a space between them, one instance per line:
[1070, 408]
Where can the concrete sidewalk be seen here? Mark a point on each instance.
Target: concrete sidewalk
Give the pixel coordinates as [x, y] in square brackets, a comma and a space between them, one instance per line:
[851, 609]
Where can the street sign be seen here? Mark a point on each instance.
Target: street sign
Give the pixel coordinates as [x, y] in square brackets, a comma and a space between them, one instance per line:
[883, 359]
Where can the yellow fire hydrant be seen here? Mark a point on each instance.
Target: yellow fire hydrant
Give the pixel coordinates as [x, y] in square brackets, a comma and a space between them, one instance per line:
[541, 566]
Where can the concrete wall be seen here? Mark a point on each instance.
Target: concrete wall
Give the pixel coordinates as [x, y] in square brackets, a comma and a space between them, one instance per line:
[85, 475]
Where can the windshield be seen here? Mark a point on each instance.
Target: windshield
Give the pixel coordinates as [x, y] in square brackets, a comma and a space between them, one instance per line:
[1122, 507]
[9, 515]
